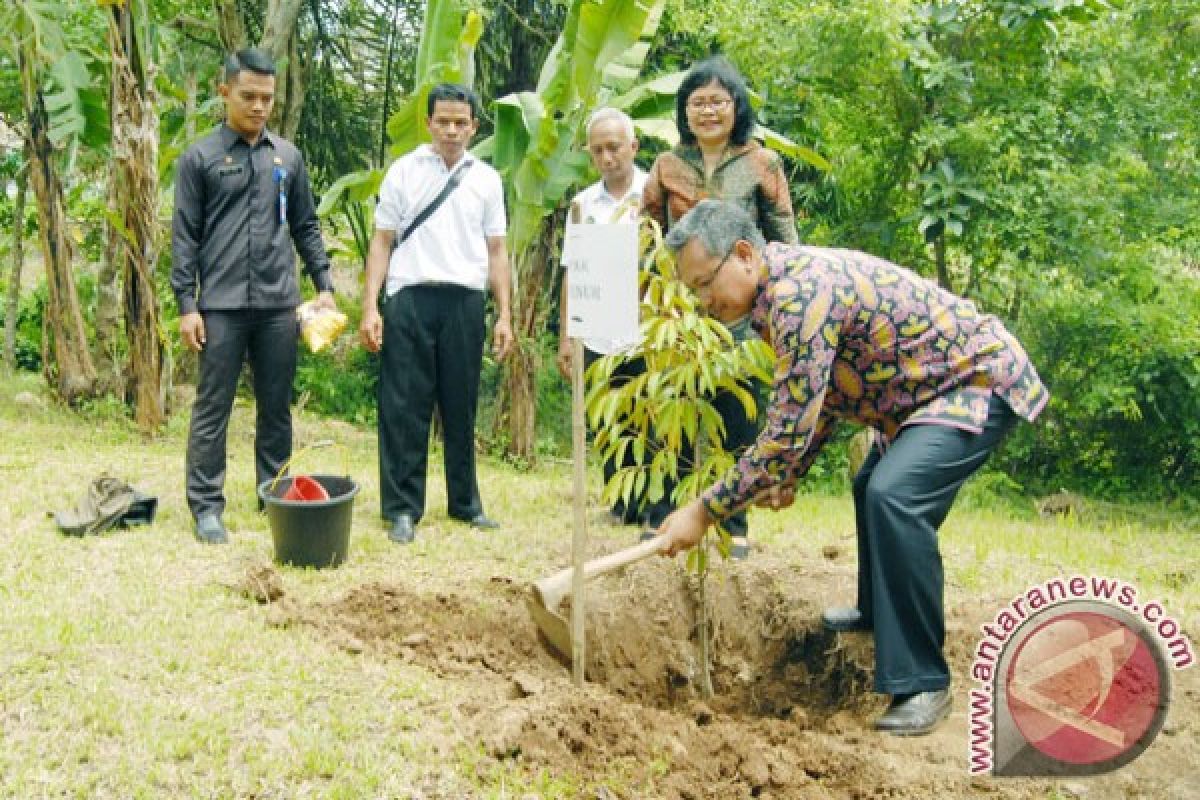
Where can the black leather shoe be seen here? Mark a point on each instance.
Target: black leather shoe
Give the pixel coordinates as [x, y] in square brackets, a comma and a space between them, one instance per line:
[915, 714]
[404, 530]
[843, 619]
[210, 529]
[482, 522]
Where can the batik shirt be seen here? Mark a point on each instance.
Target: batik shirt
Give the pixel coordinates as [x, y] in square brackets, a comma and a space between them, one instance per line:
[861, 339]
[750, 176]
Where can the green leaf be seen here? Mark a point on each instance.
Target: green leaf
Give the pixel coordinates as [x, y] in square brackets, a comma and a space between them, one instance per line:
[77, 112]
[607, 31]
[781, 144]
[518, 117]
[746, 399]
[661, 128]
[653, 98]
[353, 187]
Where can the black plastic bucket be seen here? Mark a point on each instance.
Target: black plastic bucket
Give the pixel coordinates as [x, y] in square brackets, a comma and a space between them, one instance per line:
[310, 533]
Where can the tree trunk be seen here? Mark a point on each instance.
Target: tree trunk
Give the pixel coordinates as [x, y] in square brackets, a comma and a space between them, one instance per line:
[68, 366]
[939, 255]
[108, 302]
[135, 178]
[191, 90]
[230, 26]
[290, 85]
[280, 40]
[13, 303]
[518, 400]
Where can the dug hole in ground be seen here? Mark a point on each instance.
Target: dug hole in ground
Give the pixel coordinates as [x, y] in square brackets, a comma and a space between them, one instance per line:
[792, 711]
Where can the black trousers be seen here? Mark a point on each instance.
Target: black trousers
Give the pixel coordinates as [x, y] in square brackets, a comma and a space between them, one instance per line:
[432, 353]
[269, 338]
[627, 370]
[901, 498]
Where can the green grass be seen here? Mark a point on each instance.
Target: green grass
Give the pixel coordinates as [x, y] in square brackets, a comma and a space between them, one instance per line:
[131, 669]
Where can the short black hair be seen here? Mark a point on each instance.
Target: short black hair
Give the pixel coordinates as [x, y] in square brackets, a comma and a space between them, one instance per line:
[452, 93]
[716, 68]
[250, 58]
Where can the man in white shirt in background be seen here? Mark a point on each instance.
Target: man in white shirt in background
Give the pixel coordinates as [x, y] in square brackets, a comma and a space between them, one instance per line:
[431, 329]
[615, 198]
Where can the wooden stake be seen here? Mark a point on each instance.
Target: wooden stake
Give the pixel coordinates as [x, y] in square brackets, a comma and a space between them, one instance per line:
[579, 537]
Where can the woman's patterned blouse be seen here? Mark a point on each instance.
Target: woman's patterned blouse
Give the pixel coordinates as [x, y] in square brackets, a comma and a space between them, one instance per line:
[750, 176]
[859, 338]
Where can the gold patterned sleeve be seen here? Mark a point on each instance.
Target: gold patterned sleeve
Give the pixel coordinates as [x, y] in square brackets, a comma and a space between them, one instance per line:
[654, 198]
[778, 219]
[805, 337]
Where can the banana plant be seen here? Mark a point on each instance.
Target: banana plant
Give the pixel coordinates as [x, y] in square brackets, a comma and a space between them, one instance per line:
[597, 56]
[57, 111]
[445, 53]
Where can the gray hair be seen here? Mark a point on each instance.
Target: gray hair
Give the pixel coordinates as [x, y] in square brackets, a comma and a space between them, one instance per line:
[609, 113]
[718, 225]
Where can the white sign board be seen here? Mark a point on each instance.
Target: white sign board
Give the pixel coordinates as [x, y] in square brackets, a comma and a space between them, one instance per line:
[602, 282]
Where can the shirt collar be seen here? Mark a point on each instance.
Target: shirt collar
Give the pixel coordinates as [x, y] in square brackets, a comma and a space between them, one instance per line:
[774, 256]
[635, 187]
[692, 155]
[230, 137]
[426, 151]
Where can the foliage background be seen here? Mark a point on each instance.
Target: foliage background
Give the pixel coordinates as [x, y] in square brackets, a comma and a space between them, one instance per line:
[1038, 157]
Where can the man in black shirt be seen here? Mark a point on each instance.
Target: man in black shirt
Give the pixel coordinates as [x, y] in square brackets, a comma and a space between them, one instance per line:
[243, 208]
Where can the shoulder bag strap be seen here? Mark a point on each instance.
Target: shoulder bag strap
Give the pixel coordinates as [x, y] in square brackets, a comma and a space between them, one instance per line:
[428, 210]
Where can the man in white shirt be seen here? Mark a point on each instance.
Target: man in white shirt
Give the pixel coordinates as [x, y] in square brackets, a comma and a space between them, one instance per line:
[430, 333]
[615, 198]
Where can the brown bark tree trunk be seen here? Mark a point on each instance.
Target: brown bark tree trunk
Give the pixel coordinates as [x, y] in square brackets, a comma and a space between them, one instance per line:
[230, 26]
[290, 83]
[108, 306]
[13, 302]
[191, 90]
[68, 364]
[135, 178]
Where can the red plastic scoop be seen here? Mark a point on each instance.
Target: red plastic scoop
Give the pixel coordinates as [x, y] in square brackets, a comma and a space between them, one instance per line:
[305, 490]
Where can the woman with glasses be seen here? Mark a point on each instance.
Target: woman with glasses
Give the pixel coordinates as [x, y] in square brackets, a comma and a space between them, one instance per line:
[717, 157]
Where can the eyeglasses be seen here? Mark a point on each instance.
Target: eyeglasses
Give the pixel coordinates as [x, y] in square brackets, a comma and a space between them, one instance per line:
[712, 104]
[706, 283]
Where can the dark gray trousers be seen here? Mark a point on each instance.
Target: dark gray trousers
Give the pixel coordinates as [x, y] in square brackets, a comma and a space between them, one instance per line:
[901, 498]
[432, 353]
[268, 338]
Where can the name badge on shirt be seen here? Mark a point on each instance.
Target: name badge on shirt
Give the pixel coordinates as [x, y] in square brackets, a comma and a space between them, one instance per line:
[280, 175]
[225, 172]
